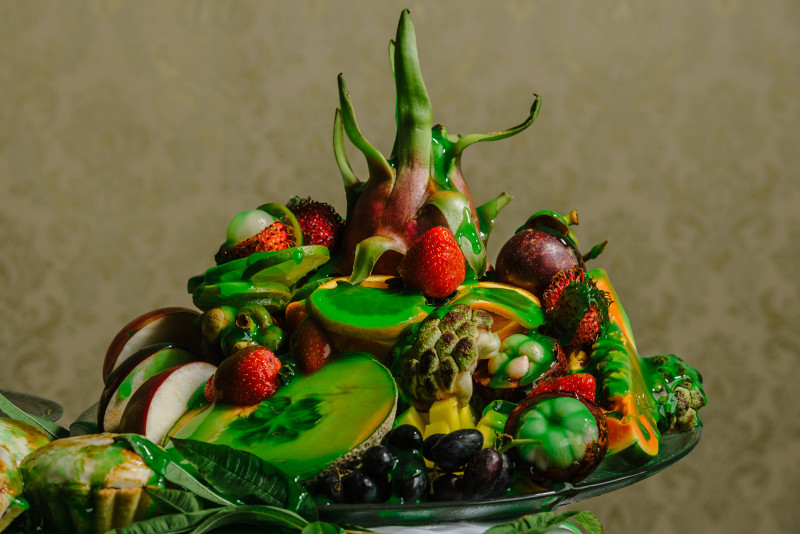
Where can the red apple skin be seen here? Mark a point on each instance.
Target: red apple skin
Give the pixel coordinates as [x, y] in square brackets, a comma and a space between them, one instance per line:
[124, 369]
[142, 407]
[532, 257]
[180, 326]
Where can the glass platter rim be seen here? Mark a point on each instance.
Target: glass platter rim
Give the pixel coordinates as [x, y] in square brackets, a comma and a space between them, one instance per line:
[34, 404]
[512, 507]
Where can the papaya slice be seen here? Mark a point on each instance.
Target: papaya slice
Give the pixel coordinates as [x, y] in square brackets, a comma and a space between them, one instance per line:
[622, 390]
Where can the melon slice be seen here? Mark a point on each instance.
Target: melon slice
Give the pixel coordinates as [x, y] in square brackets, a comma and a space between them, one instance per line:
[316, 421]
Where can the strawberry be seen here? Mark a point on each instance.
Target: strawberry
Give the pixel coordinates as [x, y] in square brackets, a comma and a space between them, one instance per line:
[310, 346]
[276, 236]
[581, 383]
[434, 264]
[208, 391]
[320, 223]
[575, 308]
[247, 377]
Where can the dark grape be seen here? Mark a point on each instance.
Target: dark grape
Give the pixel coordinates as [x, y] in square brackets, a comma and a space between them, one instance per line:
[455, 449]
[428, 444]
[410, 485]
[504, 480]
[448, 487]
[481, 473]
[359, 488]
[329, 487]
[377, 461]
[405, 437]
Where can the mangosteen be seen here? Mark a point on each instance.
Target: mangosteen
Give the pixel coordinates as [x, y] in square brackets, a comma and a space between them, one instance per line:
[531, 257]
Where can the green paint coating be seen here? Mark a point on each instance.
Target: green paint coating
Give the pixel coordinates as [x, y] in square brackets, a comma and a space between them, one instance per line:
[161, 360]
[368, 307]
[564, 426]
[71, 469]
[540, 351]
[310, 422]
[522, 309]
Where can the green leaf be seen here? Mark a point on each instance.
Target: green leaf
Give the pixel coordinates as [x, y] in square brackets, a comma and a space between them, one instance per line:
[163, 463]
[174, 500]
[246, 477]
[252, 515]
[167, 524]
[467, 140]
[367, 253]
[52, 429]
[544, 522]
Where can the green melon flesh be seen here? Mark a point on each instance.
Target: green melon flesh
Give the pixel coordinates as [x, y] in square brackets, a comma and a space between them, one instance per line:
[309, 424]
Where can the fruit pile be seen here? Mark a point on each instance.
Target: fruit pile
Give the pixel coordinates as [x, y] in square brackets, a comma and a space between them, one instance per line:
[378, 357]
[525, 369]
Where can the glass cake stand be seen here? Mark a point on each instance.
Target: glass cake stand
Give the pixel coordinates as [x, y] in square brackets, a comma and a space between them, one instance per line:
[611, 475]
[34, 405]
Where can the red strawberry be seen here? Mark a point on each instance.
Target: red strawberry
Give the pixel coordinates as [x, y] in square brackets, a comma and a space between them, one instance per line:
[581, 383]
[320, 223]
[247, 377]
[310, 346]
[434, 264]
[276, 236]
[208, 391]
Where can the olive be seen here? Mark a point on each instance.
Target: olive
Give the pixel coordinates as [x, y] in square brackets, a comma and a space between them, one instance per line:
[455, 449]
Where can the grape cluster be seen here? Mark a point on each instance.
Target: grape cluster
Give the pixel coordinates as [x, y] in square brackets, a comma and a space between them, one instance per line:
[485, 473]
[394, 470]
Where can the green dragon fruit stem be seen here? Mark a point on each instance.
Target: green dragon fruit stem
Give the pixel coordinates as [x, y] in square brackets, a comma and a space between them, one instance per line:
[414, 110]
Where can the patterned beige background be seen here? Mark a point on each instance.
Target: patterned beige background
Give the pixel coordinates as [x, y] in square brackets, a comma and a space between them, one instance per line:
[131, 131]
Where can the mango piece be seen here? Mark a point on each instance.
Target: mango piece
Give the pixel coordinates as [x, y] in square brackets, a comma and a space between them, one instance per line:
[437, 427]
[445, 410]
[411, 417]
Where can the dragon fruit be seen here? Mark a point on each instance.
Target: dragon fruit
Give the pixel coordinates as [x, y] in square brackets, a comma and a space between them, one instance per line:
[419, 186]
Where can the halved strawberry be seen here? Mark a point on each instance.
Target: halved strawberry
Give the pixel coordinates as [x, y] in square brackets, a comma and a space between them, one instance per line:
[247, 377]
[276, 236]
[434, 264]
[310, 346]
[320, 223]
[583, 384]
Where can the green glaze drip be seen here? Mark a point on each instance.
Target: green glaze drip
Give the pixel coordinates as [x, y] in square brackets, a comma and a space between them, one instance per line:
[523, 309]
[162, 360]
[564, 426]
[369, 307]
[443, 158]
[467, 230]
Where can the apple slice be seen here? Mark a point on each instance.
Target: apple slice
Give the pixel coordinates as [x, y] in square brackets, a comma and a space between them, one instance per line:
[164, 398]
[130, 374]
[174, 325]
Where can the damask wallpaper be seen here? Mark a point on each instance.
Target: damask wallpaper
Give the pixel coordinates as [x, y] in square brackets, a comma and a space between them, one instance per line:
[130, 132]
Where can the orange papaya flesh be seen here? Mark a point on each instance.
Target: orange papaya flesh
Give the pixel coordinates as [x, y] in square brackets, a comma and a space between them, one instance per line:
[622, 390]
